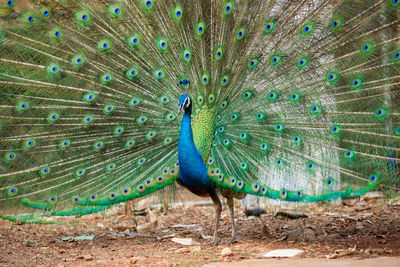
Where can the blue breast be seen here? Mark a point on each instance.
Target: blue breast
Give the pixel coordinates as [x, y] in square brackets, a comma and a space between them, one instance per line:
[192, 170]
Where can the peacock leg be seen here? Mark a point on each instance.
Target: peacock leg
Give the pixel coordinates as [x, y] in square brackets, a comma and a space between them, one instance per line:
[232, 213]
[218, 209]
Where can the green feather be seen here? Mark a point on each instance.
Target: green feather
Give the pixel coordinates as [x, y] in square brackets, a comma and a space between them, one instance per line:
[291, 101]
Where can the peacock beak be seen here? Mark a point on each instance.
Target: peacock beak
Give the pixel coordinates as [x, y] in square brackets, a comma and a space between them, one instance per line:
[180, 108]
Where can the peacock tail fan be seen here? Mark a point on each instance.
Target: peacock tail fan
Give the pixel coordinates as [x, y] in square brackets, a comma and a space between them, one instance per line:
[292, 100]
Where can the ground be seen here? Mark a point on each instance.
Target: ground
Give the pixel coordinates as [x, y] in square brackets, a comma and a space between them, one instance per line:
[366, 229]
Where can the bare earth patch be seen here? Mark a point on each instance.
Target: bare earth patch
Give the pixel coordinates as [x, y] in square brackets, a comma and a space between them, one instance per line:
[356, 230]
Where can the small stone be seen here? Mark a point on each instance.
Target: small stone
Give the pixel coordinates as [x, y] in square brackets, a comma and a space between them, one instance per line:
[284, 253]
[181, 250]
[226, 252]
[309, 235]
[373, 195]
[133, 260]
[254, 212]
[87, 258]
[294, 235]
[359, 226]
[185, 241]
[351, 229]
[331, 237]
[204, 236]
[291, 214]
[163, 264]
[195, 249]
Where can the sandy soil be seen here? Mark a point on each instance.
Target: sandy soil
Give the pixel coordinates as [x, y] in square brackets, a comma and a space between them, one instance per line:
[358, 232]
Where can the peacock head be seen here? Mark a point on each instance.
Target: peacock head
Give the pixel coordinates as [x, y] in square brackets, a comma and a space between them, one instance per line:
[185, 103]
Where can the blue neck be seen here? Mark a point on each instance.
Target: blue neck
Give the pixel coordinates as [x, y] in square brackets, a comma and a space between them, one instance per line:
[186, 133]
[192, 170]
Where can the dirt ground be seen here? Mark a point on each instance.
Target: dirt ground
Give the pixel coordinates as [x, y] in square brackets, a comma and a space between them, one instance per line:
[358, 230]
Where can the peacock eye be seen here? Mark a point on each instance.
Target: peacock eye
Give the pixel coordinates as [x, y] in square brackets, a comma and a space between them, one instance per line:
[269, 26]
[186, 56]
[200, 29]
[228, 7]
[219, 53]
[83, 17]
[159, 74]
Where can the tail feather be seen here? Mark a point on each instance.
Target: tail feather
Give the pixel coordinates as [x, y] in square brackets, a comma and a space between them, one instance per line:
[302, 96]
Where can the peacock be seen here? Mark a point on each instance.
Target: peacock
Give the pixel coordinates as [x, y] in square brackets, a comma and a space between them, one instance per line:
[102, 102]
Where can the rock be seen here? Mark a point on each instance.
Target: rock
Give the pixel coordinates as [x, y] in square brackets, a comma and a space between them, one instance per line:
[320, 231]
[163, 264]
[342, 252]
[294, 235]
[359, 226]
[291, 214]
[284, 253]
[309, 235]
[350, 202]
[183, 225]
[185, 241]
[195, 249]
[204, 236]
[331, 237]
[306, 234]
[181, 250]
[351, 229]
[145, 227]
[133, 260]
[87, 257]
[254, 212]
[165, 236]
[372, 195]
[348, 218]
[226, 252]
